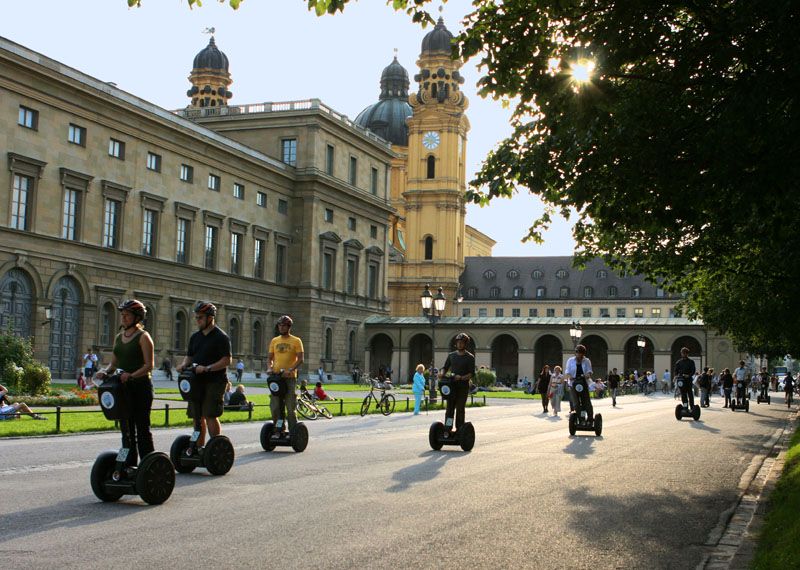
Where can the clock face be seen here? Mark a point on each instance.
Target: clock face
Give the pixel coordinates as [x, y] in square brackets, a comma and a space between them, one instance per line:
[430, 140]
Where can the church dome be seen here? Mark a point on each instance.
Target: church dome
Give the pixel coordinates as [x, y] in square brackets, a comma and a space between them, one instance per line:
[211, 58]
[387, 117]
[439, 39]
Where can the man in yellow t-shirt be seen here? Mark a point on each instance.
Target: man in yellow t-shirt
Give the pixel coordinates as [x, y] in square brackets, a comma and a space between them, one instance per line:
[285, 355]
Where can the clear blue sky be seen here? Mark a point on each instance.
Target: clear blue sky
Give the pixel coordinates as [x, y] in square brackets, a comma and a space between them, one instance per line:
[278, 51]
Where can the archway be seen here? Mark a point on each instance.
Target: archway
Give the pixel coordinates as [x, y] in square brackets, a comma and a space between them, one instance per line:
[547, 350]
[65, 328]
[380, 353]
[597, 352]
[420, 351]
[16, 303]
[637, 359]
[695, 350]
[505, 358]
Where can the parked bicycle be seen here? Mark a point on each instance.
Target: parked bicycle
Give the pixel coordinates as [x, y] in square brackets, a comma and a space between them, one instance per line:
[311, 409]
[385, 403]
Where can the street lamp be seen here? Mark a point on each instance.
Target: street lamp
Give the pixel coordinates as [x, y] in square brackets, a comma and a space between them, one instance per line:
[432, 307]
[575, 333]
[640, 342]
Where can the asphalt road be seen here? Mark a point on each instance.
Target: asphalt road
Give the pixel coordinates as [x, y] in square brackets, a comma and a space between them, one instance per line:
[370, 493]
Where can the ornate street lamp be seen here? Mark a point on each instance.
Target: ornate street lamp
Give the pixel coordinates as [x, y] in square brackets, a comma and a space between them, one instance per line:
[641, 343]
[575, 333]
[433, 308]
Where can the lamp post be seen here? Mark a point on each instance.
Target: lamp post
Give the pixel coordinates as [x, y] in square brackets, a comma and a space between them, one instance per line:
[641, 343]
[575, 333]
[432, 307]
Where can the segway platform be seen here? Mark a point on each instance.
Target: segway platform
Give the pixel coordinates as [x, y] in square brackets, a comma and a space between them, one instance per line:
[581, 423]
[742, 400]
[682, 411]
[441, 434]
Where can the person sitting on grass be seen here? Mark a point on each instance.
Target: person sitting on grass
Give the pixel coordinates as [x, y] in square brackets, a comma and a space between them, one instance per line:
[599, 389]
[320, 393]
[238, 399]
[12, 411]
[304, 390]
[226, 397]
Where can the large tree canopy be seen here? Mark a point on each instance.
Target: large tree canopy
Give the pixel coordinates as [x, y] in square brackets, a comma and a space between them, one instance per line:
[679, 154]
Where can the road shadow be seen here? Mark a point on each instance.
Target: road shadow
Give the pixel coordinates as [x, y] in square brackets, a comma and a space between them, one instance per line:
[426, 470]
[581, 446]
[699, 424]
[554, 418]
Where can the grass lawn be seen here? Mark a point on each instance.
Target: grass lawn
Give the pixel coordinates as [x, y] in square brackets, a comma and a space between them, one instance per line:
[778, 545]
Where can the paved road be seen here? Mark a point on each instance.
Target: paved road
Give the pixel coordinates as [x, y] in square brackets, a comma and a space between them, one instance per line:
[369, 493]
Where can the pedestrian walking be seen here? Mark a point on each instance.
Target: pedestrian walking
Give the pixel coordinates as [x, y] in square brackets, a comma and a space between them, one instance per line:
[544, 386]
[726, 379]
[239, 370]
[556, 390]
[613, 386]
[418, 387]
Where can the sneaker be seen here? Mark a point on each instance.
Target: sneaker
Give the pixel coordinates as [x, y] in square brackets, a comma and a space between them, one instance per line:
[38, 417]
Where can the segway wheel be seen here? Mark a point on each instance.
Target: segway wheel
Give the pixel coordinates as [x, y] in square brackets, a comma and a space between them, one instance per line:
[769, 398]
[435, 435]
[747, 406]
[573, 423]
[101, 472]
[678, 412]
[467, 436]
[695, 412]
[365, 406]
[299, 437]
[266, 440]
[155, 478]
[598, 425]
[178, 450]
[219, 455]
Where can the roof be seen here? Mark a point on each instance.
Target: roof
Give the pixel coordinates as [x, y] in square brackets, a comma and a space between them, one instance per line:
[535, 321]
[438, 40]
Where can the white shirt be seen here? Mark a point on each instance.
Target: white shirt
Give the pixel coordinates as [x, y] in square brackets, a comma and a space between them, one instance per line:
[739, 373]
[89, 359]
[570, 369]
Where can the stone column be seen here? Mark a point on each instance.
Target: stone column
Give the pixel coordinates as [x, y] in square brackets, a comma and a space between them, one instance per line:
[616, 359]
[525, 364]
[661, 362]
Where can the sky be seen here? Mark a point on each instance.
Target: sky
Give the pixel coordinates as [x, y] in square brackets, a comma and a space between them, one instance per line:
[278, 51]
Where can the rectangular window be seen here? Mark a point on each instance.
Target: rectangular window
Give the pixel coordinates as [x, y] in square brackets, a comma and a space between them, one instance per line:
[261, 199]
[568, 313]
[236, 253]
[498, 312]
[280, 263]
[659, 292]
[638, 313]
[353, 170]
[327, 270]
[238, 191]
[551, 312]
[187, 173]
[283, 207]
[604, 312]
[620, 313]
[372, 280]
[214, 182]
[289, 151]
[69, 225]
[465, 312]
[655, 313]
[111, 224]
[328, 215]
[373, 181]
[22, 192]
[28, 118]
[149, 233]
[482, 312]
[586, 312]
[352, 275]
[329, 160]
[153, 162]
[533, 312]
[211, 247]
[182, 255]
[373, 232]
[116, 149]
[259, 247]
[351, 224]
[76, 135]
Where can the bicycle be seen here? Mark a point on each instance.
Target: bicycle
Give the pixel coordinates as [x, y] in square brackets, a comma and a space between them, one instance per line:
[310, 409]
[385, 403]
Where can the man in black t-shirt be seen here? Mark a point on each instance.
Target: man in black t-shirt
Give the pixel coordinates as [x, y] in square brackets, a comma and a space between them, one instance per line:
[684, 371]
[210, 349]
[461, 364]
[613, 386]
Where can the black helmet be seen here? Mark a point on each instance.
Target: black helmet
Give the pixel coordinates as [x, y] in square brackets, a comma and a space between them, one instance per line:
[135, 307]
[462, 336]
[206, 308]
[285, 320]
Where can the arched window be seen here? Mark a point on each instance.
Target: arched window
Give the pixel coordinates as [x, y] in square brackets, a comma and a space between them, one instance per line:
[537, 274]
[540, 292]
[513, 274]
[107, 324]
[489, 274]
[257, 338]
[472, 292]
[517, 293]
[328, 344]
[563, 292]
[602, 273]
[494, 292]
[588, 292]
[429, 247]
[612, 291]
[431, 167]
[351, 346]
[179, 333]
[636, 292]
[233, 333]
[562, 274]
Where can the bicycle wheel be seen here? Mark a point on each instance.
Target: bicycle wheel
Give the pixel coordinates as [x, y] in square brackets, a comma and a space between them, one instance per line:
[387, 404]
[305, 410]
[365, 406]
[325, 412]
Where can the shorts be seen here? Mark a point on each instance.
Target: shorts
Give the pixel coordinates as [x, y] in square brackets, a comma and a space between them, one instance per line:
[211, 404]
[7, 412]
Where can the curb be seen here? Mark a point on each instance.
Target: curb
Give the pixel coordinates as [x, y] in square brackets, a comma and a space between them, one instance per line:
[732, 544]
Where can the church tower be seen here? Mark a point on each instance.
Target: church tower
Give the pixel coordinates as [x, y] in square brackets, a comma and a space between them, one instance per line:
[210, 78]
[433, 198]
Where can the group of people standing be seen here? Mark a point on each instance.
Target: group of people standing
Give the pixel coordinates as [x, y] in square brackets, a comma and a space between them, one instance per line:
[553, 385]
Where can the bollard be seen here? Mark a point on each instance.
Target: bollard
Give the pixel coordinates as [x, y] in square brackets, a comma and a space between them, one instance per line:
[426, 405]
[250, 412]
[471, 399]
[166, 415]
[407, 403]
[341, 406]
[484, 399]
[58, 419]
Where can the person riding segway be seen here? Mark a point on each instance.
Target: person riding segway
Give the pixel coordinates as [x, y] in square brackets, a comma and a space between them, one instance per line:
[763, 387]
[684, 371]
[579, 370]
[202, 381]
[454, 379]
[285, 356]
[126, 396]
[741, 395]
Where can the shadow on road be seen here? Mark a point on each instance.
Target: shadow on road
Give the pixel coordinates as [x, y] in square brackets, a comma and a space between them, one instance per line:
[424, 471]
[700, 425]
[582, 446]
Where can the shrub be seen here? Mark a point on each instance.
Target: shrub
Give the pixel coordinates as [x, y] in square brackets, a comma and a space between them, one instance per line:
[14, 349]
[485, 377]
[12, 376]
[35, 379]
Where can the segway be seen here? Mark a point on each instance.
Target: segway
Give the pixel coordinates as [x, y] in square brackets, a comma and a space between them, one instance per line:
[683, 410]
[274, 434]
[153, 479]
[741, 400]
[579, 418]
[763, 394]
[217, 455]
[441, 434]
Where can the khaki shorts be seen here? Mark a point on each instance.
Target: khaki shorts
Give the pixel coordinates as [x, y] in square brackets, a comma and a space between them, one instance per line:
[211, 405]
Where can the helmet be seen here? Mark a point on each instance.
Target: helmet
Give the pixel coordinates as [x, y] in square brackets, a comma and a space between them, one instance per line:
[135, 307]
[462, 336]
[285, 320]
[580, 348]
[205, 308]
